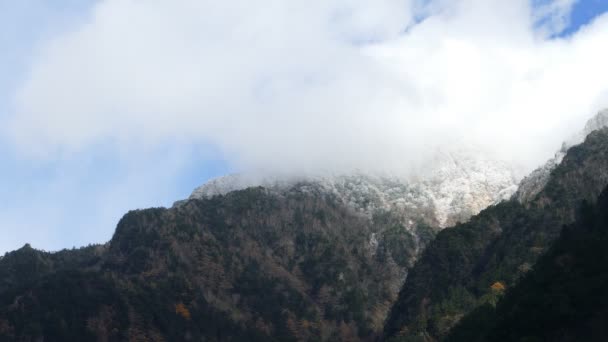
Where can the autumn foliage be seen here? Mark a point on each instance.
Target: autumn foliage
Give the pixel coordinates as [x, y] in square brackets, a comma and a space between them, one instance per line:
[182, 310]
[498, 286]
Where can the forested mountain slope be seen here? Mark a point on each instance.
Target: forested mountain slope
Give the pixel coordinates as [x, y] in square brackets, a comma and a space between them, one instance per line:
[565, 296]
[249, 265]
[458, 269]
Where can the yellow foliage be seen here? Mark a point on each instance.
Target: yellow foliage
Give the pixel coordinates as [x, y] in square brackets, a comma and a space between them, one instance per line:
[498, 286]
[182, 310]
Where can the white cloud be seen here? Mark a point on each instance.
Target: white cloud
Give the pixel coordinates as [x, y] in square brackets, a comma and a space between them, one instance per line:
[294, 85]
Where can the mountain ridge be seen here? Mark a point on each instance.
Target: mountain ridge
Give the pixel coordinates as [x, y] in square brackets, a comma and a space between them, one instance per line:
[461, 184]
[305, 260]
[532, 184]
[455, 273]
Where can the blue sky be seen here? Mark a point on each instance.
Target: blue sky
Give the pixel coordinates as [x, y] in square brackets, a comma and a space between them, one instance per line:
[583, 12]
[62, 201]
[74, 195]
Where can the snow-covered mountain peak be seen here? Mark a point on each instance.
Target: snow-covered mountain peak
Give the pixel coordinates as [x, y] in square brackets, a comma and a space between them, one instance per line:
[456, 184]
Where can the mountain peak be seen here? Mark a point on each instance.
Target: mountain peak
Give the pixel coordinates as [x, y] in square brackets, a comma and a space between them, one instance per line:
[454, 185]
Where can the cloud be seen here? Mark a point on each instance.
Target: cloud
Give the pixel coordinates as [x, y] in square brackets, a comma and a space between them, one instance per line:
[304, 85]
[552, 17]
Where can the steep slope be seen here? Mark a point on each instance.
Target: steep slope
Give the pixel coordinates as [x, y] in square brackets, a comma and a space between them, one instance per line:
[531, 185]
[250, 265]
[456, 272]
[565, 296]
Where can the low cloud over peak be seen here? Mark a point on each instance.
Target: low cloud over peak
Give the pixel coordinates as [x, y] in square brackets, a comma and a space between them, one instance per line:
[304, 85]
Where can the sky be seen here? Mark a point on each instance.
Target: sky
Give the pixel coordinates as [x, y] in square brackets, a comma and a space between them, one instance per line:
[113, 105]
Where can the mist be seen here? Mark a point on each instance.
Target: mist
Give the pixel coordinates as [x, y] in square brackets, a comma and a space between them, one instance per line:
[306, 85]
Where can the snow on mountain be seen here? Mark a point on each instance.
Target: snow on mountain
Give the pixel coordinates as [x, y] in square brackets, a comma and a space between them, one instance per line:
[531, 185]
[456, 184]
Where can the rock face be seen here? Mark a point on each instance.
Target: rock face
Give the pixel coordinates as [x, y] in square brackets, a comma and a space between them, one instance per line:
[534, 183]
[455, 274]
[457, 184]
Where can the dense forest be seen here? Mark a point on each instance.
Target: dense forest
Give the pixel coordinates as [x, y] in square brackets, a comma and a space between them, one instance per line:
[250, 265]
[564, 297]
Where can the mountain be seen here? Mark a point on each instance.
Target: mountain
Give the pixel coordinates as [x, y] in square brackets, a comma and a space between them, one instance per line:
[317, 258]
[564, 298]
[461, 268]
[248, 265]
[309, 258]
